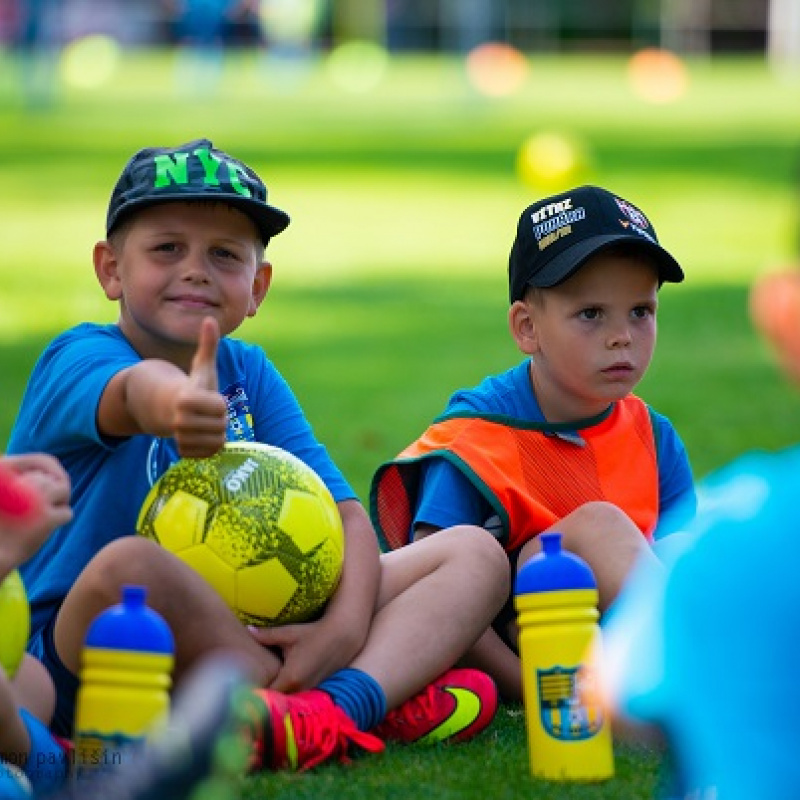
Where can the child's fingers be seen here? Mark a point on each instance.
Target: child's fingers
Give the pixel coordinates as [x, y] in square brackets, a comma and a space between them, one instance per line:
[203, 373]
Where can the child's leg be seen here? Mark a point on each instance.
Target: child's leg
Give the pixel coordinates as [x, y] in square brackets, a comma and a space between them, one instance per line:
[601, 534]
[605, 537]
[200, 620]
[437, 596]
[14, 741]
[24, 739]
[33, 688]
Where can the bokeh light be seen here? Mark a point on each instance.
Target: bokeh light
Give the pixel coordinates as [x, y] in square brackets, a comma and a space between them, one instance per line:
[552, 161]
[89, 62]
[357, 66]
[658, 76]
[496, 69]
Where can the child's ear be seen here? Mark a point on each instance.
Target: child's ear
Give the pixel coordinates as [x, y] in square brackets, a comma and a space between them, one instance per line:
[261, 282]
[106, 266]
[523, 327]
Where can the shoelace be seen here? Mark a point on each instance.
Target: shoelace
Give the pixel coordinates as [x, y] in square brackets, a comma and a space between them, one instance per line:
[331, 734]
[421, 707]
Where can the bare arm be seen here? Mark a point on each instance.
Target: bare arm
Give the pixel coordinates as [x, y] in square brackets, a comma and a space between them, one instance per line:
[159, 398]
[313, 651]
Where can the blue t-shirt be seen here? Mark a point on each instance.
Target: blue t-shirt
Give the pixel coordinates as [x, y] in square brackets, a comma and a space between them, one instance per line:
[447, 497]
[705, 644]
[111, 476]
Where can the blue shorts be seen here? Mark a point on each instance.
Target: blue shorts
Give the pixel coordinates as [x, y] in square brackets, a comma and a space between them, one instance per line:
[43, 647]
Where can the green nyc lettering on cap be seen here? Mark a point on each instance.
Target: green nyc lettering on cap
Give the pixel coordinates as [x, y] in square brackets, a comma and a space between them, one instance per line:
[193, 171]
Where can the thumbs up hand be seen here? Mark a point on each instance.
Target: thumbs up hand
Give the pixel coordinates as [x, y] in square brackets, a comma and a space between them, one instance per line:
[201, 419]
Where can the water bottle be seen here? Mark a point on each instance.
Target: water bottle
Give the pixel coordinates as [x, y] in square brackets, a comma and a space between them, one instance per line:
[125, 679]
[569, 737]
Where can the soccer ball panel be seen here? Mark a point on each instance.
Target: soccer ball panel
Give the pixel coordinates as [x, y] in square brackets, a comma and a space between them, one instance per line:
[263, 590]
[308, 516]
[214, 569]
[181, 521]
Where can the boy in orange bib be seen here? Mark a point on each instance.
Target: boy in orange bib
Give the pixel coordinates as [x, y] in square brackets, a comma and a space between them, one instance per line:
[558, 442]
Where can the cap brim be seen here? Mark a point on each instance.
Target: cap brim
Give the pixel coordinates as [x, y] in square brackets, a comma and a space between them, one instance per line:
[570, 260]
[269, 220]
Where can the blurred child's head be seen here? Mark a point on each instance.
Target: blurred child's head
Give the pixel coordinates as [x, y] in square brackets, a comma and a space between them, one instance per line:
[775, 311]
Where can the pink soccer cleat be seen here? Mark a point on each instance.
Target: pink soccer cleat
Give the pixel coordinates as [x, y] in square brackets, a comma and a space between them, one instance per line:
[454, 708]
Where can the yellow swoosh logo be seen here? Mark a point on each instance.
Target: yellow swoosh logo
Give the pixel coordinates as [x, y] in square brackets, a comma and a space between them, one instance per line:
[467, 710]
[291, 744]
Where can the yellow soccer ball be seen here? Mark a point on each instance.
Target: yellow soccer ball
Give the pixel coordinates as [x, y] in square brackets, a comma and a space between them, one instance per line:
[257, 523]
[15, 622]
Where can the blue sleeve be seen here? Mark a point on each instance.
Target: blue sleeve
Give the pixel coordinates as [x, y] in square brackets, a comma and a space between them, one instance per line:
[677, 495]
[447, 498]
[58, 413]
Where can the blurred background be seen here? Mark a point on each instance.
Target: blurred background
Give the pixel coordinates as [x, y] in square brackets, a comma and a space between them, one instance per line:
[404, 138]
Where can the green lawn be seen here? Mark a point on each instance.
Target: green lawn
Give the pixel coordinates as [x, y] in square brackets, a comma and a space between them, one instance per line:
[389, 288]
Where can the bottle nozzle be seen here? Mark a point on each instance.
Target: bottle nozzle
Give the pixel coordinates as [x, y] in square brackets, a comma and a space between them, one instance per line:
[551, 543]
[133, 595]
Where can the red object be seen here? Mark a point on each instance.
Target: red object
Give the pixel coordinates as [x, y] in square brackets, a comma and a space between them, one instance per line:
[17, 498]
[305, 729]
[454, 708]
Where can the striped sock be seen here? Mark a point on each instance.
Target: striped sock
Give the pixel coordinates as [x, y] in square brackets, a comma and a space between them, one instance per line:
[359, 695]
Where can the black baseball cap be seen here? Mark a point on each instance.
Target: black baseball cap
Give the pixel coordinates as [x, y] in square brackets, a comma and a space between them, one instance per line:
[556, 236]
[193, 171]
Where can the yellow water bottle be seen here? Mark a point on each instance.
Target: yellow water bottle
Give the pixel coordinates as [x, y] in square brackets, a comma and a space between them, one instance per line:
[569, 737]
[126, 676]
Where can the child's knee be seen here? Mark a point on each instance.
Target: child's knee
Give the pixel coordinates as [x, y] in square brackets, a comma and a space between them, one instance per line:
[598, 523]
[600, 515]
[127, 560]
[485, 553]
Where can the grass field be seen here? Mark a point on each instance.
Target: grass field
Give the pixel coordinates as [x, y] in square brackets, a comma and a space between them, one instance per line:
[389, 288]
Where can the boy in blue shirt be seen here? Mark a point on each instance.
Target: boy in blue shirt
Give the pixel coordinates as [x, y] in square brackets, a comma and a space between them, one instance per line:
[117, 404]
[558, 442]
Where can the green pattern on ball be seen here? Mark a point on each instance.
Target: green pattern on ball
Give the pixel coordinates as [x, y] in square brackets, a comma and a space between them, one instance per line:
[257, 523]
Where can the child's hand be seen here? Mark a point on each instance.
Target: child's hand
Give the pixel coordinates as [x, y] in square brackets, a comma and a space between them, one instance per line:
[45, 483]
[201, 414]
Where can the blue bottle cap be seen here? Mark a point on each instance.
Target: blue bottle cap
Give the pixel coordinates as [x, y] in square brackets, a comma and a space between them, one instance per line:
[131, 625]
[553, 569]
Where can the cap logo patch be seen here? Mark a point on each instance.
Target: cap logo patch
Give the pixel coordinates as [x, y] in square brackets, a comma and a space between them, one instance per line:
[554, 221]
[169, 170]
[636, 220]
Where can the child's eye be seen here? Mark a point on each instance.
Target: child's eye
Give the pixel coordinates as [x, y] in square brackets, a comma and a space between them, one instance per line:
[166, 247]
[642, 312]
[225, 254]
[589, 313]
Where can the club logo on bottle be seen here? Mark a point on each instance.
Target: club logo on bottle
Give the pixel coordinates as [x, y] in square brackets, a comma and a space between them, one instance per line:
[568, 707]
